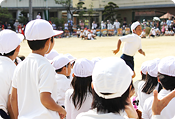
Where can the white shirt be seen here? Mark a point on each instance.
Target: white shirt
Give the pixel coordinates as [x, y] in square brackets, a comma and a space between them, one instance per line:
[72, 112]
[82, 34]
[168, 111]
[110, 26]
[63, 84]
[38, 17]
[7, 67]
[92, 114]
[167, 32]
[132, 44]
[89, 36]
[66, 26]
[171, 32]
[94, 25]
[153, 32]
[143, 96]
[117, 24]
[31, 77]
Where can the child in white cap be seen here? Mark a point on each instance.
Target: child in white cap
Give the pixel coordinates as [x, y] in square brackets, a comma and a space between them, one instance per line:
[51, 55]
[131, 46]
[112, 88]
[150, 83]
[79, 98]
[9, 49]
[166, 77]
[34, 84]
[62, 68]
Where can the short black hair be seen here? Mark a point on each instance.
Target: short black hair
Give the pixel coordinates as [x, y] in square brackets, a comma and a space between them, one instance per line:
[38, 44]
[59, 70]
[8, 54]
[168, 82]
[114, 105]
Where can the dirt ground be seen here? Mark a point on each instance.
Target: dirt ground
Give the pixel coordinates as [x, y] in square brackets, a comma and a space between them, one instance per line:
[158, 47]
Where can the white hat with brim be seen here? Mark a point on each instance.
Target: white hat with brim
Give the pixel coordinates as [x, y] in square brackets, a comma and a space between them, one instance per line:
[111, 75]
[60, 61]
[83, 68]
[134, 25]
[144, 67]
[52, 54]
[40, 29]
[167, 66]
[9, 41]
[153, 67]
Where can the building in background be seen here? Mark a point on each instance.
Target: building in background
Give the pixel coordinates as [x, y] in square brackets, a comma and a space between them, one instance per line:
[131, 9]
[39, 6]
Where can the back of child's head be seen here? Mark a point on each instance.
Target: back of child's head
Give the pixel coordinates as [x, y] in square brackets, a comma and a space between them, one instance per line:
[144, 69]
[51, 55]
[9, 41]
[151, 77]
[59, 62]
[166, 69]
[81, 82]
[112, 80]
[38, 31]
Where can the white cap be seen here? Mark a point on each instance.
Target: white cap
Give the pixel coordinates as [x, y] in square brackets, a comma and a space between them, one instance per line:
[72, 59]
[153, 67]
[111, 75]
[96, 59]
[60, 61]
[40, 29]
[9, 41]
[83, 68]
[51, 55]
[144, 67]
[134, 25]
[167, 66]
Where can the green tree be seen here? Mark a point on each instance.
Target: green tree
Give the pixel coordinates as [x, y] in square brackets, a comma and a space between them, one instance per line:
[67, 4]
[5, 16]
[23, 18]
[110, 11]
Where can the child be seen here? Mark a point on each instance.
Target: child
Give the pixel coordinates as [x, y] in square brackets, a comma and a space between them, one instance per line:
[171, 32]
[131, 46]
[90, 37]
[166, 77]
[167, 33]
[62, 68]
[152, 33]
[82, 35]
[51, 55]
[143, 34]
[34, 85]
[78, 33]
[112, 88]
[146, 88]
[79, 98]
[9, 49]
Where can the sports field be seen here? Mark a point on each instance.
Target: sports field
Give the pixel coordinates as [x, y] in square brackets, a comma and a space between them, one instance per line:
[158, 47]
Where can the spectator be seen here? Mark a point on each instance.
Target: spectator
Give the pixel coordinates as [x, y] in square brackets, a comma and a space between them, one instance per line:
[116, 25]
[38, 16]
[94, 25]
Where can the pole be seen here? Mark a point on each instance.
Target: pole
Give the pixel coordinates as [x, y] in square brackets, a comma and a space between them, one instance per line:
[47, 11]
[30, 10]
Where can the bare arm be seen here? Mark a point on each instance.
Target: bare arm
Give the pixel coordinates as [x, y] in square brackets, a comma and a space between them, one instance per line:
[118, 47]
[9, 108]
[14, 102]
[130, 111]
[159, 105]
[141, 52]
[49, 103]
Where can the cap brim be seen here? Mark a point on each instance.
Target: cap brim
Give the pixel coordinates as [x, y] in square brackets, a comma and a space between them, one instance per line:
[56, 32]
[20, 36]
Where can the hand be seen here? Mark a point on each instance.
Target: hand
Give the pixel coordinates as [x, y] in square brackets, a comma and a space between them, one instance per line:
[62, 113]
[129, 109]
[159, 105]
[115, 51]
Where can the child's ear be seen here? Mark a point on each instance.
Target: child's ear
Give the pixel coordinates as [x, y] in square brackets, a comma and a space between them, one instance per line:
[18, 48]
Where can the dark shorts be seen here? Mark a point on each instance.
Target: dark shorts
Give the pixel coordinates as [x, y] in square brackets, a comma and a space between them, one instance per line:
[129, 60]
[4, 114]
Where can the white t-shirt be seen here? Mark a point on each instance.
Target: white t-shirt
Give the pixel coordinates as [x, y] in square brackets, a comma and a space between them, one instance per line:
[31, 77]
[38, 17]
[143, 96]
[78, 31]
[153, 32]
[63, 84]
[167, 32]
[132, 44]
[117, 24]
[89, 36]
[171, 32]
[168, 111]
[82, 34]
[92, 114]
[72, 112]
[7, 67]
[66, 26]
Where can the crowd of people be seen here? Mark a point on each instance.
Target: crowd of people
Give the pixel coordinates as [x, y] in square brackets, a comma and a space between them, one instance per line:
[49, 85]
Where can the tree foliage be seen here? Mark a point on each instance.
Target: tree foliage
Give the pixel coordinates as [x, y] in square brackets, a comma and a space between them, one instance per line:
[110, 11]
[58, 22]
[5, 16]
[23, 18]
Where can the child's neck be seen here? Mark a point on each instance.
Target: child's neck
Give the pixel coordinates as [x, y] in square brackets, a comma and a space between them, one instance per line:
[39, 52]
